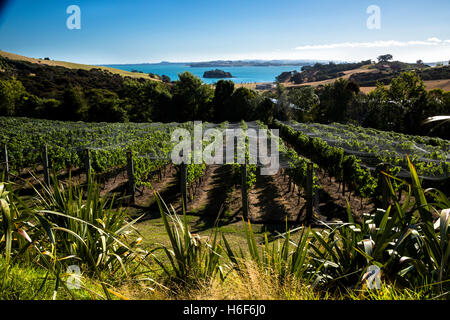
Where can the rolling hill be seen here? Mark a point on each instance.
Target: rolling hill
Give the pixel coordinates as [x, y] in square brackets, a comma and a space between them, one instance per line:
[368, 75]
[72, 65]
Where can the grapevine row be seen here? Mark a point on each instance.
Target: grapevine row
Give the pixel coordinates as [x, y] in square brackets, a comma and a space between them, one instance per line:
[374, 146]
[332, 159]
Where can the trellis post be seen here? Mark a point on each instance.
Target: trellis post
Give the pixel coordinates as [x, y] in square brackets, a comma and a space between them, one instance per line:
[183, 183]
[244, 191]
[6, 163]
[87, 164]
[385, 193]
[309, 192]
[131, 180]
[45, 165]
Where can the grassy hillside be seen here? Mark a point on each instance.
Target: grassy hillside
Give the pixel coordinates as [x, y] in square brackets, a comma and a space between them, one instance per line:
[368, 75]
[72, 65]
[429, 85]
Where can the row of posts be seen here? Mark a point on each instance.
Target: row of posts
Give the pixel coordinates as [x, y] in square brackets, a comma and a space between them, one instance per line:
[183, 180]
[87, 168]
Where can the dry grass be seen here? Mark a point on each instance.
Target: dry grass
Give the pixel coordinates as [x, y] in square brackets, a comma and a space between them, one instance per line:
[429, 85]
[253, 284]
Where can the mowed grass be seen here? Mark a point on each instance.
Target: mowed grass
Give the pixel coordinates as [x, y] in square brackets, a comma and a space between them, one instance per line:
[154, 234]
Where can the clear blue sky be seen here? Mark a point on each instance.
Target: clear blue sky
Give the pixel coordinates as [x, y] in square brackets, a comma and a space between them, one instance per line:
[136, 31]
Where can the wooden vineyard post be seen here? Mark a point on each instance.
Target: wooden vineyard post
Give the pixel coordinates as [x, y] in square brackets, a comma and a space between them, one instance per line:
[385, 187]
[183, 183]
[87, 164]
[309, 192]
[6, 163]
[45, 164]
[244, 192]
[130, 173]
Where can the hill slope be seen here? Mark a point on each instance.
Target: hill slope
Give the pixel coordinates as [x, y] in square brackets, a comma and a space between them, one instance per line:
[72, 65]
[368, 75]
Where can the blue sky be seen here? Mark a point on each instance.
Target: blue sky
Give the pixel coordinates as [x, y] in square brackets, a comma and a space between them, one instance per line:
[197, 30]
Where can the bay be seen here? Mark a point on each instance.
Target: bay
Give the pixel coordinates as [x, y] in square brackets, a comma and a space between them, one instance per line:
[246, 74]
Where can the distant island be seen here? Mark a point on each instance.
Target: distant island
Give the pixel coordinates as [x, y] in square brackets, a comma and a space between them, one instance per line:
[217, 74]
[250, 63]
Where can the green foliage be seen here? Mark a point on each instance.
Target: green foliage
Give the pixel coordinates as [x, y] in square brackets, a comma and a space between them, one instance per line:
[107, 144]
[335, 99]
[12, 93]
[222, 99]
[298, 165]
[192, 98]
[405, 105]
[325, 145]
[191, 258]
[84, 231]
[385, 58]
[331, 159]
[305, 99]
[146, 101]
[104, 106]
[283, 256]
[86, 227]
[411, 249]
[409, 242]
[74, 104]
[241, 107]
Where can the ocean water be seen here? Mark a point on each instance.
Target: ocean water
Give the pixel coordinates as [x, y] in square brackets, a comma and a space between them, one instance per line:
[240, 74]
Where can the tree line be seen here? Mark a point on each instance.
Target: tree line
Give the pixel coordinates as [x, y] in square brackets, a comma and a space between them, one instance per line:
[401, 107]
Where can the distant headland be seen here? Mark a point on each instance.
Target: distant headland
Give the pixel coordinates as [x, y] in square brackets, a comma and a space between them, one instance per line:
[250, 63]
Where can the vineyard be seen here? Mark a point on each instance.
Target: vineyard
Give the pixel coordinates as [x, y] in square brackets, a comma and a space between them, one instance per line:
[337, 179]
[315, 160]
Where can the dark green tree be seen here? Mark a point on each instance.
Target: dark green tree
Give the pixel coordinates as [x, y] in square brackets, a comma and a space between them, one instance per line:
[222, 99]
[409, 93]
[165, 79]
[305, 99]
[74, 105]
[192, 98]
[265, 110]
[241, 107]
[146, 101]
[12, 94]
[385, 58]
[283, 110]
[334, 101]
[105, 105]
